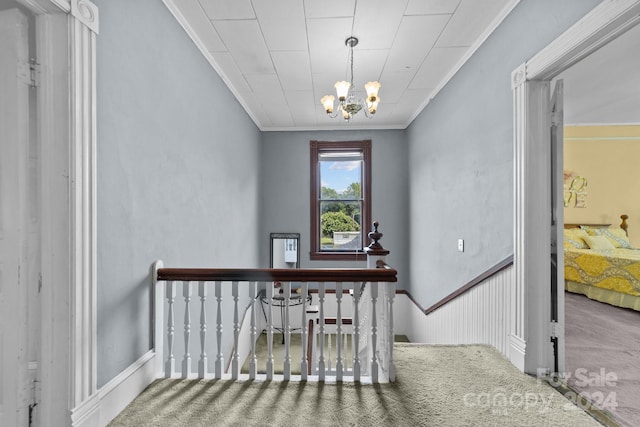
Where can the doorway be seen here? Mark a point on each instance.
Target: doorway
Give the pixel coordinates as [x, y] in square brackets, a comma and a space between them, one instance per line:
[531, 348]
[602, 145]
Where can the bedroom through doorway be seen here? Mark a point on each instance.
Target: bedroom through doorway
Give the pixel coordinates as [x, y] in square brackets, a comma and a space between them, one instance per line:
[601, 145]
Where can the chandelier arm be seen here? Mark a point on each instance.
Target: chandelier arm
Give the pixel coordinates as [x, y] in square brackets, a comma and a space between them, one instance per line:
[365, 109]
[334, 115]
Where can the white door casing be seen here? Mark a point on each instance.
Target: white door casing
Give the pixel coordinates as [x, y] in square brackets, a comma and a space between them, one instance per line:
[14, 277]
[530, 350]
[65, 45]
[557, 225]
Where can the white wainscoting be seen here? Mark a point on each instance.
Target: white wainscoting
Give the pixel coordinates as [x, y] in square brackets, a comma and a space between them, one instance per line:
[483, 315]
[113, 397]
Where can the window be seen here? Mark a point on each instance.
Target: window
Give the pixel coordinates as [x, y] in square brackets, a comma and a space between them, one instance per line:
[340, 199]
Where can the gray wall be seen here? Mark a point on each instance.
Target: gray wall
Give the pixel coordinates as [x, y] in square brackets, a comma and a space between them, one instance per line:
[461, 155]
[177, 170]
[285, 184]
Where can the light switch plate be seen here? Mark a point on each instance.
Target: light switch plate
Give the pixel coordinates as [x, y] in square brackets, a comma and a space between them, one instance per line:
[461, 245]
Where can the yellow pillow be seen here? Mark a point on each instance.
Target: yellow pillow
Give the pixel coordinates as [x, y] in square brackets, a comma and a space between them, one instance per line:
[574, 238]
[598, 242]
[616, 236]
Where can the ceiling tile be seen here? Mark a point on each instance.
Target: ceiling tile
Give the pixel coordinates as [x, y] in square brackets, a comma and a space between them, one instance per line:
[328, 8]
[416, 36]
[431, 7]
[300, 100]
[276, 15]
[228, 9]
[326, 43]
[294, 69]
[470, 20]
[246, 45]
[368, 65]
[199, 23]
[377, 22]
[436, 66]
[393, 85]
[267, 88]
[258, 113]
[412, 100]
[279, 116]
[301, 105]
[231, 72]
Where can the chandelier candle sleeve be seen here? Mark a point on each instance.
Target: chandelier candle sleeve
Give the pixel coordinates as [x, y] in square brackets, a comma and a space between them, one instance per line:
[347, 103]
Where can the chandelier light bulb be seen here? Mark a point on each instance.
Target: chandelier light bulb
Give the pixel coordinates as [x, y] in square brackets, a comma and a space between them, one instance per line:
[327, 103]
[373, 106]
[372, 89]
[342, 89]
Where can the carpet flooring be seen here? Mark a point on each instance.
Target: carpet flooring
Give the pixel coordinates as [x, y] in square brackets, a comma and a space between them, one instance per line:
[602, 349]
[435, 386]
[295, 353]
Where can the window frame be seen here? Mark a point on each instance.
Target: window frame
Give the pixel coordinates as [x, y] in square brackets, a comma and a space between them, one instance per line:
[316, 148]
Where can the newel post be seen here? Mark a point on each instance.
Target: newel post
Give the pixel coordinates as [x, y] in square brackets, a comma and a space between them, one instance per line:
[382, 335]
[375, 251]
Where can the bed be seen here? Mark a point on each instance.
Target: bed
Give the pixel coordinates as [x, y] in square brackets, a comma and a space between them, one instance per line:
[601, 263]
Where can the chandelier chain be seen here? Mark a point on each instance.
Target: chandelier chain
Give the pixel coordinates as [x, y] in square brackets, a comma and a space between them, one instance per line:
[351, 62]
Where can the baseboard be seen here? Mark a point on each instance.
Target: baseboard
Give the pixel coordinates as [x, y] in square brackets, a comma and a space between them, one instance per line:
[113, 397]
[517, 351]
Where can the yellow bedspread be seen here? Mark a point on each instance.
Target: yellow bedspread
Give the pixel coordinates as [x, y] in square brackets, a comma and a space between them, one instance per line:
[615, 269]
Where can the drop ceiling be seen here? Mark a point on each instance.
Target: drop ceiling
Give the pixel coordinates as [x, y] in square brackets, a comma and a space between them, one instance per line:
[279, 57]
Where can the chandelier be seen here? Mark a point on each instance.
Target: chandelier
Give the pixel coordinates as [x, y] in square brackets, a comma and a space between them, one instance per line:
[347, 103]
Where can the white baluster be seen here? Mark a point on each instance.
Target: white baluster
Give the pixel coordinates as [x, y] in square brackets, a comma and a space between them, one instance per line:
[391, 293]
[202, 363]
[374, 332]
[304, 333]
[186, 359]
[220, 355]
[357, 293]
[339, 365]
[287, 330]
[269, 331]
[170, 363]
[321, 364]
[235, 362]
[252, 361]
[330, 334]
[159, 291]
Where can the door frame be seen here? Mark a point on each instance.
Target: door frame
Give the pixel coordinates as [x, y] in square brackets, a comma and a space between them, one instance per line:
[66, 49]
[530, 346]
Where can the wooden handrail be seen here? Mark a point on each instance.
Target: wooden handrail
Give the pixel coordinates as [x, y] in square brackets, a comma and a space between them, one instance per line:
[507, 262]
[381, 274]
